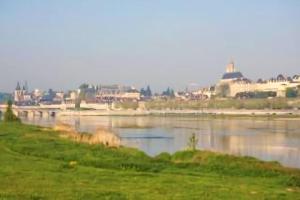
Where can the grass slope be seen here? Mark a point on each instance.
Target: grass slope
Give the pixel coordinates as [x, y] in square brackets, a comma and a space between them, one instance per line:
[36, 163]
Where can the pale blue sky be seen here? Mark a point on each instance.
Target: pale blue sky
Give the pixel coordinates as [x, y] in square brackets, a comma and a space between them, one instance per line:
[62, 43]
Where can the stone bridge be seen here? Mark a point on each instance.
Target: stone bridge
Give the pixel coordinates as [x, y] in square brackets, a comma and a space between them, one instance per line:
[33, 111]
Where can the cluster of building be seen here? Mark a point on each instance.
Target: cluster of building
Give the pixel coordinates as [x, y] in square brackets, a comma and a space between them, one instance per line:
[86, 94]
[108, 93]
[234, 84]
[23, 97]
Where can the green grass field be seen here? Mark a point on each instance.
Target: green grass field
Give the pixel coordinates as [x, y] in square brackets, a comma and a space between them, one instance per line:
[36, 163]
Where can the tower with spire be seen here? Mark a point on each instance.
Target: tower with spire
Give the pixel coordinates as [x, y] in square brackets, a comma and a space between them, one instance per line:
[21, 93]
[231, 73]
[18, 93]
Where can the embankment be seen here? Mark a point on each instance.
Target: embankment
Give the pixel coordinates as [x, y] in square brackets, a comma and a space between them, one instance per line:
[229, 112]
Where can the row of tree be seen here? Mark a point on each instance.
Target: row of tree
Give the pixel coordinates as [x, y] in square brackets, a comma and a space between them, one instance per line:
[147, 93]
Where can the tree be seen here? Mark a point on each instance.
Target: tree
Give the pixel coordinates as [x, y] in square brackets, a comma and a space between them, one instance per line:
[84, 86]
[148, 92]
[291, 93]
[172, 93]
[77, 103]
[224, 90]
[169, 93]
[193, 141]
[143, 92]
[9, 116]
[4, 97]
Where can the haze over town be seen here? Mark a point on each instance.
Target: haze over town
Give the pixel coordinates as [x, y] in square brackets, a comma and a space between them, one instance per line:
[61, 44]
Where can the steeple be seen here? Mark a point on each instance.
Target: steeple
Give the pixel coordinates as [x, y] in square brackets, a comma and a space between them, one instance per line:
[18, 86]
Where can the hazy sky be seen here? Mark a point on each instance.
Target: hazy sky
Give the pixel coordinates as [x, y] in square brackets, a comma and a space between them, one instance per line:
[59, 43]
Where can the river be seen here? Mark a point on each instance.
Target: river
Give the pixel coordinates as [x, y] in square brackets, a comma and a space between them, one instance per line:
[266, 139]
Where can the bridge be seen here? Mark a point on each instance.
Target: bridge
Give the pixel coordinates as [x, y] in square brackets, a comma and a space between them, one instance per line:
[33, 111]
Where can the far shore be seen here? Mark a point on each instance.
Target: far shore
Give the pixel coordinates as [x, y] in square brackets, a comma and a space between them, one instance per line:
[205, 112]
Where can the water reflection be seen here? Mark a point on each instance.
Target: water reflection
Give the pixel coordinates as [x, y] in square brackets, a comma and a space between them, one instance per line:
[265, 139]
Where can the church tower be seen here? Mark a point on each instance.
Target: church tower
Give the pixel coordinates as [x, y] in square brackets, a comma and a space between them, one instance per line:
[230, 67]
[18, 93]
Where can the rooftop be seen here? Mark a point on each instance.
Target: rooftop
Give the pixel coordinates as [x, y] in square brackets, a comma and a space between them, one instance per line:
[232, 75]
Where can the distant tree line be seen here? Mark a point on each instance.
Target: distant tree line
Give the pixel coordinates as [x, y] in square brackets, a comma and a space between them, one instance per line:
[146, 92]
[4, 97]
[168, 93]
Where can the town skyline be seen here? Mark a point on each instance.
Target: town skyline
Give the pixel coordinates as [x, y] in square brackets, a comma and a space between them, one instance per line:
[232, 84]
[190, 87]
[52, 46]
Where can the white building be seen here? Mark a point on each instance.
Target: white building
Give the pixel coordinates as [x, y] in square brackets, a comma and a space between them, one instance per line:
[235, 83]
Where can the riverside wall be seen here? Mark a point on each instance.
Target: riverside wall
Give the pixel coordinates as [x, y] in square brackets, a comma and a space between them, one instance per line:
[180, 112]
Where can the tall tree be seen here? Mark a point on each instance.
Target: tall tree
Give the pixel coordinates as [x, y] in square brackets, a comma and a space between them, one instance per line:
[148, 91]
[169, 92]
[9, 115]
[143, 92]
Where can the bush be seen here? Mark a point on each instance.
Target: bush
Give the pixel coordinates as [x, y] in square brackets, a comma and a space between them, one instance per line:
[291, 93]
[127, 105]
[256, 104]
[279, 103]
[163, 156]
[9, 116]
[193, 141]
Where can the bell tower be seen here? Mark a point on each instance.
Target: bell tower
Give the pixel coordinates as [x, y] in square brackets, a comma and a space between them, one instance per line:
[230, 67]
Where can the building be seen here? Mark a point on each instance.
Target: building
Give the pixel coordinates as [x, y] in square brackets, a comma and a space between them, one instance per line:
[22, 96]
[234, 84]
[231, 74]
[204, 93]
[115, 93]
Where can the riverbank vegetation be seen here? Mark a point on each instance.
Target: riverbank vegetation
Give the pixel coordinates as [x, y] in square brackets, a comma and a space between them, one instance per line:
[9, 116]
[37, 163]
[274, 103]
[126, 105]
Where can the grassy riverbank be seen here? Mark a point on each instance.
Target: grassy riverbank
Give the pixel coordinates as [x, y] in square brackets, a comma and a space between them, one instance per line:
[37, 163]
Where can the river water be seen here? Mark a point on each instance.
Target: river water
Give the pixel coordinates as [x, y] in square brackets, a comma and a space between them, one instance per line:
[270, 140]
